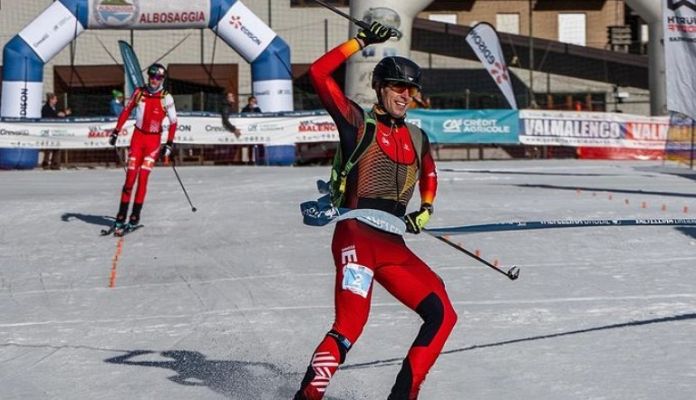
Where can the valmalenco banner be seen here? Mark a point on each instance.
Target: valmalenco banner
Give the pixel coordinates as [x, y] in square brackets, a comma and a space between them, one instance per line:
[592, 129]
[483, 39]
[679, 21]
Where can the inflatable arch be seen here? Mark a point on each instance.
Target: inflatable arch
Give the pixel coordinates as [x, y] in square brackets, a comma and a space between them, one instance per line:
[26, 53]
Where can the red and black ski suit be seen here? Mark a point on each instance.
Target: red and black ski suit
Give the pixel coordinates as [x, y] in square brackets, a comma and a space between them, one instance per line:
[384, 179]
[150, 110]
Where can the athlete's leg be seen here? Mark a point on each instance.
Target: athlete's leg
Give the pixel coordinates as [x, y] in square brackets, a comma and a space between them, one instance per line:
[352, 249]
[135, 159]
[413, 283]
[151, 150]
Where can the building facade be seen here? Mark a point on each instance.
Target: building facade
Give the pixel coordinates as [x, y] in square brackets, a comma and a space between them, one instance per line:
[203, 67]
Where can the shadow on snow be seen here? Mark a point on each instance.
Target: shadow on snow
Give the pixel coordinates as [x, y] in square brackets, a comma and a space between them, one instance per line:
[674, 318]
[233, 379]
[101, 220]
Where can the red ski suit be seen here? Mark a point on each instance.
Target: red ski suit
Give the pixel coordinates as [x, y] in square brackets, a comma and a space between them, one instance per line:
[384, 179]
[151, 109]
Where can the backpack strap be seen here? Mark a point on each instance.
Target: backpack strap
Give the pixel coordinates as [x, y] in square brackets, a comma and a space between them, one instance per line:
[365, 141]
[139, 94]
[340, 169]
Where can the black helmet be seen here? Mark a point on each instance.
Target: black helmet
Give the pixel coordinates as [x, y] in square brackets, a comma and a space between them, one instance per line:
[156, 70]
[396, 69]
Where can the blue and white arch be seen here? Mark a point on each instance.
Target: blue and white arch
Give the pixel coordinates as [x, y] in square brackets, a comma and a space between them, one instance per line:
[24, 55]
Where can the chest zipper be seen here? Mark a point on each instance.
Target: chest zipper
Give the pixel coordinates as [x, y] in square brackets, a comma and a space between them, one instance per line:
[398, 166]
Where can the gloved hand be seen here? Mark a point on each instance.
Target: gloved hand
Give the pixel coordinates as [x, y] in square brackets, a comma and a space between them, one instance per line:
[113, 137]
[377, 33]
[167, 150]
[416, 221]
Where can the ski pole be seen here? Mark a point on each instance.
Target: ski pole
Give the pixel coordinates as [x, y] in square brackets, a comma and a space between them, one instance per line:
[513, 273]
[194, 209]
[362, 24]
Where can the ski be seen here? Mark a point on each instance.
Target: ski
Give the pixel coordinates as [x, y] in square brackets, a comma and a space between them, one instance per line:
[107, 232]
[128, 229]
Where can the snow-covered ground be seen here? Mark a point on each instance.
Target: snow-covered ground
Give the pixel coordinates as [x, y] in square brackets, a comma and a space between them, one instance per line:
[230, 301]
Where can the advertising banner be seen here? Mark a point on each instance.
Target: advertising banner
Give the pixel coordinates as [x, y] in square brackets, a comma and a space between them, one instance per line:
[249, 34]
[21, 99]
[592, 129]
[679, 21]
[94, 133]
[467, 126]
[273, 94]
[51, 31]
[144, 14]
[483, 39]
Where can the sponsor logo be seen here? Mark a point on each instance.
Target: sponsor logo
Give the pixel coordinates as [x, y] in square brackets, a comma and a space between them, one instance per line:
[212, 128]
[675, 4]
[314, 126]
[265, 127]
[459, 125]
[56, 133]
[62, 22]
[38, 42]
[236, 22]
[184, 17]
[99, 132]
[499, 73]
[8, 132]
[23, 102]
[573, 128]
[483, 47]
[115, 12]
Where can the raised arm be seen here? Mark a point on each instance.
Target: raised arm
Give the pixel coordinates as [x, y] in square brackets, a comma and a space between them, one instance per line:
[330, 94]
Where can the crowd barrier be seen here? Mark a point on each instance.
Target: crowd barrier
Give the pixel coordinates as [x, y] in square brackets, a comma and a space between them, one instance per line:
[280, 133]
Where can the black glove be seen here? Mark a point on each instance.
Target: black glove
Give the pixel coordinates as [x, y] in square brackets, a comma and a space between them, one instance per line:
[377, 33]
[416, 221]
[167, 150]
[113, 137]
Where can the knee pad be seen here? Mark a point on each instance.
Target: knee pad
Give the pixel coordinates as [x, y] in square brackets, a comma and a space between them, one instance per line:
[343, 344]
[148, 163]
[432, 311]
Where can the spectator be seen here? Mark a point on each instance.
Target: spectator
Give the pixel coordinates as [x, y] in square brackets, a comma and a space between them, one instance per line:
[51, 157]
[228, 108]
[251, 106]
[116, 104]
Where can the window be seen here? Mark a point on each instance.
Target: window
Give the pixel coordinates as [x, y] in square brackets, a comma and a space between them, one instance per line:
[508, 23]
[571, 29]
[446, 18]
[312, 3]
